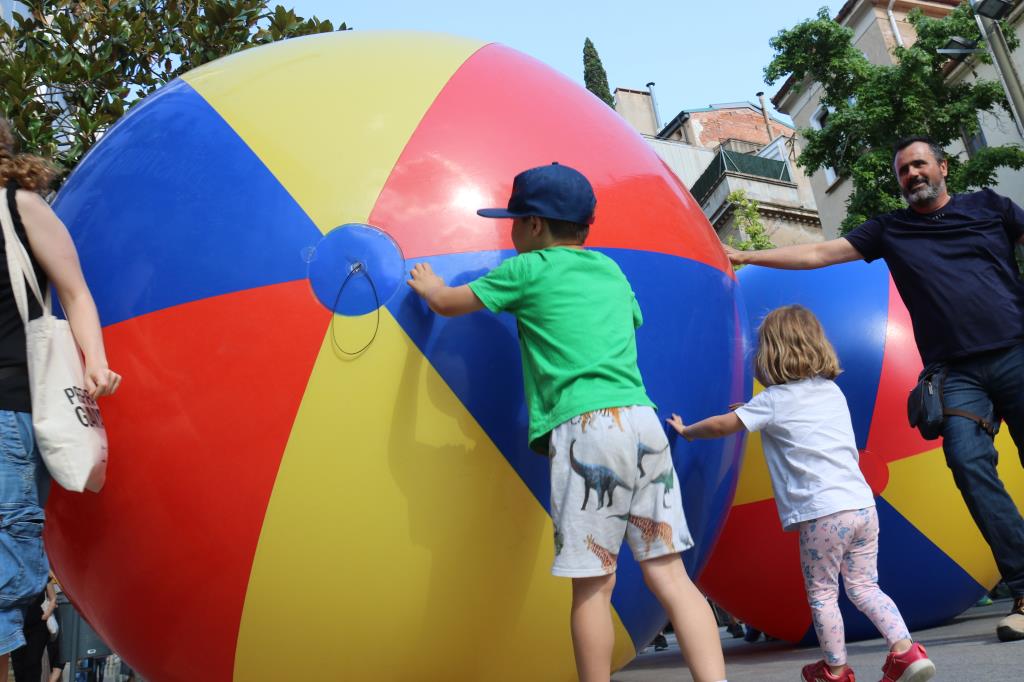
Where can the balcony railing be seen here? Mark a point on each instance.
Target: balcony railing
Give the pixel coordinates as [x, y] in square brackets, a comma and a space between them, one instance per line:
[726, 161]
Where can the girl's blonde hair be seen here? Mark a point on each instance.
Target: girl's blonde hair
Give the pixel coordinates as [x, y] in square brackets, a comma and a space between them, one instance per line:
[792, 346]
[30, 172]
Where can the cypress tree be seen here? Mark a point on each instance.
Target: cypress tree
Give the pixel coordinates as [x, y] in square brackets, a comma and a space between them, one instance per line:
[594, 75]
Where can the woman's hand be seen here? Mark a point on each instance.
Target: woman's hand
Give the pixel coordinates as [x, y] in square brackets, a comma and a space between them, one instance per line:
[100, 380]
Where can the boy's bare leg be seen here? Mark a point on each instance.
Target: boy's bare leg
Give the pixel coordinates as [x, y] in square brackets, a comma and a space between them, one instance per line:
[593, 635]
[5, 664]
[690, 614]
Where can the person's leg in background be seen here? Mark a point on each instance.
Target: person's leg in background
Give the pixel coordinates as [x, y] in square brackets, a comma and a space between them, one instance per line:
[27, 661]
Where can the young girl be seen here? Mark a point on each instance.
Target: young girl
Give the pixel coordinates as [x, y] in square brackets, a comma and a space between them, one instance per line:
[812, 458]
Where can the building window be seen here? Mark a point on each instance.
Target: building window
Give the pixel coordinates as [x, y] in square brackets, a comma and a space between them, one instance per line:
[818, 119]
[974, 143]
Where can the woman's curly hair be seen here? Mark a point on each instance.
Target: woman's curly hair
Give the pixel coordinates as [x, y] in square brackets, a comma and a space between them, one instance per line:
[30, 172]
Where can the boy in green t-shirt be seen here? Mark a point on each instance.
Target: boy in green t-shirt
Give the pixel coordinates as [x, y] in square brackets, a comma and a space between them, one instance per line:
[611, 468]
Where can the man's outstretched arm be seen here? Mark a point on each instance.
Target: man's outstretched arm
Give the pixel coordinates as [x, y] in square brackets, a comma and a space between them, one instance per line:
[799, 256]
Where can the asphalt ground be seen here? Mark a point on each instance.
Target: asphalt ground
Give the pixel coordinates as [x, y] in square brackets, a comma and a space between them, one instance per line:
[964, 650]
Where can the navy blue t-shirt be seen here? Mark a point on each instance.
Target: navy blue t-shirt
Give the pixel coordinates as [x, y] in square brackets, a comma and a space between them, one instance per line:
[955, 270]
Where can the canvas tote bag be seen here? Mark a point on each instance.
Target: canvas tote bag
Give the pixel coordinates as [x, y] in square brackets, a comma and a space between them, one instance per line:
[68, 428]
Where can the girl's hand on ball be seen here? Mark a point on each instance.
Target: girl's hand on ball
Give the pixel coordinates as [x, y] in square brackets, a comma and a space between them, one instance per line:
[676, 422]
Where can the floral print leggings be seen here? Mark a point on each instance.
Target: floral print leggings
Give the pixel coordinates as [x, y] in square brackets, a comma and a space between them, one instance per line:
[845, 543]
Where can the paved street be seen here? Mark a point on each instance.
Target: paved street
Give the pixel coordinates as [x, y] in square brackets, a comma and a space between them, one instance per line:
[965, 650]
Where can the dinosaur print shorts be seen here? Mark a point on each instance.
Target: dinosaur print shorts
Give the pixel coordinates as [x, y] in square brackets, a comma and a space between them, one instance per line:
[612, 477]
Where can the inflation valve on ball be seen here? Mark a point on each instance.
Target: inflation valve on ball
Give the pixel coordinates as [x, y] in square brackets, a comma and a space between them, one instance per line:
[357, 268]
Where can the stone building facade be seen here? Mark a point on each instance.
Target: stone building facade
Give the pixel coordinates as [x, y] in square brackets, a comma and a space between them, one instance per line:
[718, 149]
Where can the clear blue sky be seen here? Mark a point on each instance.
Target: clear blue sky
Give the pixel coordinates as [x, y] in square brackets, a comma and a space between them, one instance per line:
[697, 52]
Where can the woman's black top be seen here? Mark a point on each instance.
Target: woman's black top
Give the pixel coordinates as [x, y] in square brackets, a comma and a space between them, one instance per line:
[14, 389]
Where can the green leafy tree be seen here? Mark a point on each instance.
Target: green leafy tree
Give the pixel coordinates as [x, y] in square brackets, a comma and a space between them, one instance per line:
[69, 69]
[594, 76]
[872, 106]
[754, 235]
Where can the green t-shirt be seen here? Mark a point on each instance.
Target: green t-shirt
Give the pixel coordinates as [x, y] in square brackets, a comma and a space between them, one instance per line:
[577, 317]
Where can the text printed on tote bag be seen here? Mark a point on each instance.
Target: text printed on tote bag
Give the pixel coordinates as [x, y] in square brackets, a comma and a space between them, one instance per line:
[87, 411]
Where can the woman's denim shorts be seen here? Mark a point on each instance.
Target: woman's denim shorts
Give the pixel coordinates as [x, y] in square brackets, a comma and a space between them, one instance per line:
[24, 484]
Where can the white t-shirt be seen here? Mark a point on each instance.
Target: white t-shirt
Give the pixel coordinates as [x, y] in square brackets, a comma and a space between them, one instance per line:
[810, 449]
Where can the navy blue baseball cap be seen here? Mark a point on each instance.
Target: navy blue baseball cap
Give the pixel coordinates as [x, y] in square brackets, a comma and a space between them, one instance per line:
[557, 192]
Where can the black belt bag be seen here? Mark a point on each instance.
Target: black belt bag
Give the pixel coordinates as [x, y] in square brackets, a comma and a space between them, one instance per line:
[925, 410]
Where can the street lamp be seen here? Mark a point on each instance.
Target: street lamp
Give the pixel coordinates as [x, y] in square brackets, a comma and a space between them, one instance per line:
[986, 14]
[993, 9]
[959, 47]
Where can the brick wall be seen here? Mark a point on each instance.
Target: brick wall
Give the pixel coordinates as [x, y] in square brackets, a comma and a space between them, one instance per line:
[743, 123]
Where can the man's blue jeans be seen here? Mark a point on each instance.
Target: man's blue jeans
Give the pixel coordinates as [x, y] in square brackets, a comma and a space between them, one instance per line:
[990, 385]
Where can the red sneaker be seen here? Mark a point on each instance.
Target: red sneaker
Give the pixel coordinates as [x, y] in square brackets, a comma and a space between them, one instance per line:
[819, 672]
[913, 665]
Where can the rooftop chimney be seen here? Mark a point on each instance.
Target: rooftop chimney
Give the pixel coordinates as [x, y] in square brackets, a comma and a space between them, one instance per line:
[764, 113]
[654, 106]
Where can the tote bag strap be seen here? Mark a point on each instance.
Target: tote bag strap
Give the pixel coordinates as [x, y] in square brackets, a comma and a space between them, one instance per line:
[29, 273]
[19, 265]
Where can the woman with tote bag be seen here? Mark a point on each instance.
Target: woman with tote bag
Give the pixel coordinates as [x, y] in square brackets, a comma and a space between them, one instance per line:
[24, 481]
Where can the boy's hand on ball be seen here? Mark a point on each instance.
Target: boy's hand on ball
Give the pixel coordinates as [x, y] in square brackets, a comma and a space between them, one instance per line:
[424, 279]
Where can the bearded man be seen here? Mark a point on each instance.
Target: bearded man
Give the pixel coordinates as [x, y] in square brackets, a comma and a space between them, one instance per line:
[952, 259]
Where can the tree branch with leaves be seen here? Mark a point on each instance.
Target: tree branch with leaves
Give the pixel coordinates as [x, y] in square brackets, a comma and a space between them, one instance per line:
[69, 69]
[752, 232]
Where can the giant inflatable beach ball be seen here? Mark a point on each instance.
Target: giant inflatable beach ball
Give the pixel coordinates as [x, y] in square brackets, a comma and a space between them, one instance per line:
[312, 474]
[932, 560]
